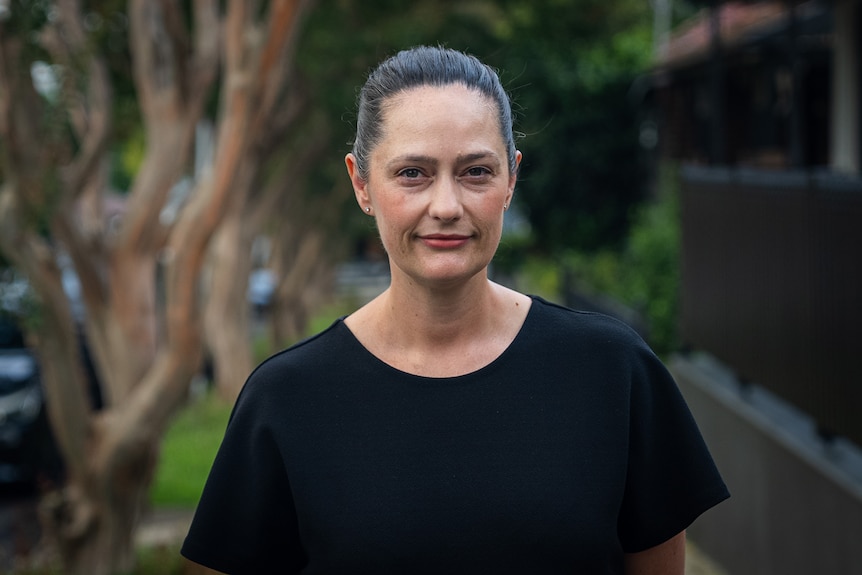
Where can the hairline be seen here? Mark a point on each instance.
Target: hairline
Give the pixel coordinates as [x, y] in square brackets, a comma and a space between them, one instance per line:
[386, 103]
[379, 92]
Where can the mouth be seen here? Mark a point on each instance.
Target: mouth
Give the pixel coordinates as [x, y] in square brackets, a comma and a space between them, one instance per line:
[444, 241]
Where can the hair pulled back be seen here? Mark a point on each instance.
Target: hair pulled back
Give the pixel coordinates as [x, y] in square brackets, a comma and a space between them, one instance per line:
[425, 66]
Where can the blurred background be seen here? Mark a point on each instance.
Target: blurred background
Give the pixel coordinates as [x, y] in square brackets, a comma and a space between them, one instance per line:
[174, 208]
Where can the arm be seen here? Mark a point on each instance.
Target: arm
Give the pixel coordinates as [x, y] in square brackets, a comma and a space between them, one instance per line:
[667, 558]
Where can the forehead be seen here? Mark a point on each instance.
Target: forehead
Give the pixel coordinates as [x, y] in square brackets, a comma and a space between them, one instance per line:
[428, 93]
[440, 111]
[454, 95]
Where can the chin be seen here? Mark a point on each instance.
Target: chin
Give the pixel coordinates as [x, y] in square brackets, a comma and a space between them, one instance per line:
[451, 275]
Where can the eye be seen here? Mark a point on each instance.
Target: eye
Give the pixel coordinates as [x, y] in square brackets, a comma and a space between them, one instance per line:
[478, 171]
[478, 174]
[410, 173]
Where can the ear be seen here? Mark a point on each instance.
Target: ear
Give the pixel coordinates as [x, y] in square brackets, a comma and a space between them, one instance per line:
[513, 178]
[360, 186]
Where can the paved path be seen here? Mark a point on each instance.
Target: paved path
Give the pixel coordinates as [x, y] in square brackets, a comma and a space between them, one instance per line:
[19, 525]
[168, 527]
[696, 563]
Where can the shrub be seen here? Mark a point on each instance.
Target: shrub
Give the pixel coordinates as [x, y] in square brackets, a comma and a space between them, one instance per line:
[644, 274]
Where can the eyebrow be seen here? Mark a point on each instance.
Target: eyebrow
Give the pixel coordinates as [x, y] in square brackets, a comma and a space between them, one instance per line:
[461, 159]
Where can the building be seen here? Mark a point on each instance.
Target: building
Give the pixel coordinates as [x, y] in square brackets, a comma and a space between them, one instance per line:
[760, 102]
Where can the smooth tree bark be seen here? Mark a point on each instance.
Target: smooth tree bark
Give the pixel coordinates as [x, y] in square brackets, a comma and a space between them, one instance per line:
[304, 249]
[140, 284]
[306, 243]
[305, 269]
[227, 318]
[276, 208]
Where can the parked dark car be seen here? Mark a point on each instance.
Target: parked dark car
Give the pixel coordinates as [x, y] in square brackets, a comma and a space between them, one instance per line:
[27, 449]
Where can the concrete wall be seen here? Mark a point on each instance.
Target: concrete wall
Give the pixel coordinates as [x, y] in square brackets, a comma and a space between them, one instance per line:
[796, 501]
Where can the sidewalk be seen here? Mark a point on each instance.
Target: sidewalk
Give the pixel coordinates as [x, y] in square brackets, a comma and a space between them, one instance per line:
[163, 527]
[696, 563]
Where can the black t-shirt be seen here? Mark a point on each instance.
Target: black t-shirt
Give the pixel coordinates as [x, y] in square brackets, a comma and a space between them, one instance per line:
[572, 447]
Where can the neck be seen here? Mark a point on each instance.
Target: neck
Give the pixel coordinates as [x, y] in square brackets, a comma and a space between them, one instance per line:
[439, 315]
[440, 332]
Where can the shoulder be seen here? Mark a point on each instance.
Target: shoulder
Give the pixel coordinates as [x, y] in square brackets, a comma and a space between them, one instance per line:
[592, 343]
[556, 320]
[289, 371]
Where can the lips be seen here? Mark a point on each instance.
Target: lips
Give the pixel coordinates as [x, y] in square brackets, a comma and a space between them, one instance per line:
[444, 241]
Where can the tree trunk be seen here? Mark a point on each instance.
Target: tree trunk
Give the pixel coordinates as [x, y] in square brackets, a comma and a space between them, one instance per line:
[300, 289]
[144, 326]
[93, 522]
[227, 327]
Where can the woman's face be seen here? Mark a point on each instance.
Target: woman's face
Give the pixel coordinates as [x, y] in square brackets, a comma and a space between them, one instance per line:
[438, 184]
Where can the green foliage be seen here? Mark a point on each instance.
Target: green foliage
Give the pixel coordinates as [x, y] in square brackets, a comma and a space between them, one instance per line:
[570, 66]
[188, 451]
[261, 348]
[329, 313]
[651, 269]
[128, 160]
[596, 272]
[644, 274]
[23, 18]
[512, 254]
[542, 277]
[18, 301]
[106, 22]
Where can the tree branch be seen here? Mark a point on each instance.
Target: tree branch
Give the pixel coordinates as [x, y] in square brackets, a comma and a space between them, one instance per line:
[175, 28]
[238, 24]
[26, 148]
[296, 104]
[90, 108]
[170, 111]
[155, 57]
[207, 41]
[276, 59]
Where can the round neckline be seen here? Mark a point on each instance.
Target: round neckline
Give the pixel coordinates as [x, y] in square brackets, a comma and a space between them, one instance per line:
[444, 379]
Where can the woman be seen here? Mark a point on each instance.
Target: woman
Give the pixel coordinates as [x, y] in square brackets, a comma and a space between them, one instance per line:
[452, 425]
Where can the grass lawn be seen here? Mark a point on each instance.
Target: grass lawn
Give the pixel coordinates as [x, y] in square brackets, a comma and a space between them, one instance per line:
[188, 450]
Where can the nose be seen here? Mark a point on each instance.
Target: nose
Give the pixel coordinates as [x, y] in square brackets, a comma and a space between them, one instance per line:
[445, 201]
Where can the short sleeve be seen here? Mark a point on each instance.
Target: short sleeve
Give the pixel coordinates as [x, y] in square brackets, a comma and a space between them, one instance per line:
[671, 478]
[245, 522]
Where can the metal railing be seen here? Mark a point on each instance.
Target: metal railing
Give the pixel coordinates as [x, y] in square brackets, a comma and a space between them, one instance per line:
[772, 284]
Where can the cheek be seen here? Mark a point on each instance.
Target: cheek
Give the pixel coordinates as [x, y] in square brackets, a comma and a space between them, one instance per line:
[392, 235]
[492, 215]
[396, 215]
